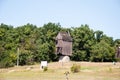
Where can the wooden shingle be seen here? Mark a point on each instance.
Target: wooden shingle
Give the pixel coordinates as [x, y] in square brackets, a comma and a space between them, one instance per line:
[64, 44]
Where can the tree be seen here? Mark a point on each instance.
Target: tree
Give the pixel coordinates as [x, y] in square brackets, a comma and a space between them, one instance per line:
[102, 52]
[7, 54]
[46, 42]
[38, 43]
[83, 39]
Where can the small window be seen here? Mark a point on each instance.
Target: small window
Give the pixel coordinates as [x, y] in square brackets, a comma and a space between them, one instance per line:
[59, 49]
[56, 42]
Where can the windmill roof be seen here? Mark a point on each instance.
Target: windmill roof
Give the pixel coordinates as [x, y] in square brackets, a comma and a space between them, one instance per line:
[66, 36]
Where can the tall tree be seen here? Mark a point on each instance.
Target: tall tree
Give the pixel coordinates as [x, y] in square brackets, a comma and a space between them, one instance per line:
[102, 51]
[83, 39]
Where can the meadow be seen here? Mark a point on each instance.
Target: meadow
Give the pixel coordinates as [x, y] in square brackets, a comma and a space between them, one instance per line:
[56, 70]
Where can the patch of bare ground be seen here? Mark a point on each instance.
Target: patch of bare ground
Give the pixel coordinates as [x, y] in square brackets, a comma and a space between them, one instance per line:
[56, 70]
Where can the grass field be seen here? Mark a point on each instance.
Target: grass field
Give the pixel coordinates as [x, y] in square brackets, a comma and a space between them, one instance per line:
[56, 70]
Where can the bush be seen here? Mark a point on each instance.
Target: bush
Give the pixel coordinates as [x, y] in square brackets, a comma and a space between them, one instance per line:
[5, 63]
[25, 59]
[75, 68]
[45, 68]
[7, 59]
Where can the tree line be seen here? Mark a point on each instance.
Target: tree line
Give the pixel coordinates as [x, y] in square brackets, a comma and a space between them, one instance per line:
[38, 43]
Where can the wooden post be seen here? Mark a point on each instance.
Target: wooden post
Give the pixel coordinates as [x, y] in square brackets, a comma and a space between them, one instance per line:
[18, 57]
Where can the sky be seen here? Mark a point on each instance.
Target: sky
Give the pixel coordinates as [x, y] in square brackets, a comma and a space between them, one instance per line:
[101, 15]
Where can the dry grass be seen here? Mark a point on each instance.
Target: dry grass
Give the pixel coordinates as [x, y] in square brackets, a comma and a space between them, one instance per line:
[56, 70]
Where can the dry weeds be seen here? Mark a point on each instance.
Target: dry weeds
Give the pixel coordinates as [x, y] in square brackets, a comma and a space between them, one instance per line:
[89, 71]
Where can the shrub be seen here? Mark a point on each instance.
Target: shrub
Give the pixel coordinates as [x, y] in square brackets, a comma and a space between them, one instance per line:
[6, 63]
[25, 59]
[45, 68]
[7, 59]
[75, 68]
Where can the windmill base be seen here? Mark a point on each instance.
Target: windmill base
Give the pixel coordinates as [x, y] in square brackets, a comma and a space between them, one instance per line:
[64, 59]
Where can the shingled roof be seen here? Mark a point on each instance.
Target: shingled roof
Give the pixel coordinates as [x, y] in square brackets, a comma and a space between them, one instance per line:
[65, 36]
[64, 43]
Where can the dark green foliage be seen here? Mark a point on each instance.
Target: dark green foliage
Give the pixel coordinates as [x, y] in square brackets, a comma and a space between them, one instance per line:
[36, 44]
[25, 59]
[75, 68]
[7, 59]
[102, 52]
[83, 39]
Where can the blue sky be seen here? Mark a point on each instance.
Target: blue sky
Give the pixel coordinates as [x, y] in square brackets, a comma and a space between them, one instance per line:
[101, 15]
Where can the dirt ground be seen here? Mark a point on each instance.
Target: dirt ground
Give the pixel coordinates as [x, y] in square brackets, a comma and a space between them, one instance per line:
[56, 70]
